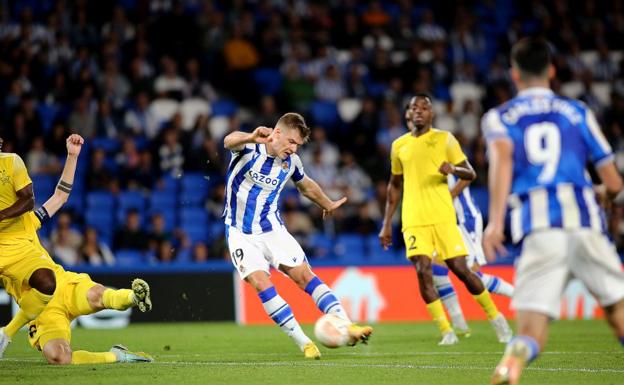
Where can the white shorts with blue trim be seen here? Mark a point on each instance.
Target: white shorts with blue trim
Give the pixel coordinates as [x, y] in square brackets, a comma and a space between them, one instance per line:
[258, 252]
[551, 257]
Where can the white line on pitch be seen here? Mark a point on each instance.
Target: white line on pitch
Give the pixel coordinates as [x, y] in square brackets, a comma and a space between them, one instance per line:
[380, 366]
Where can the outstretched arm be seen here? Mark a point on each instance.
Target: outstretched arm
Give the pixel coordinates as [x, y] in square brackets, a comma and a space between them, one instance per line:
[63, 188]
[311, 190]
[236, 140]
[395, 189]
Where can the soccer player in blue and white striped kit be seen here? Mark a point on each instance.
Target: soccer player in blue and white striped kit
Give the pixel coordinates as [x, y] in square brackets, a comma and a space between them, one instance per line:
[538, 145]
[262, 162]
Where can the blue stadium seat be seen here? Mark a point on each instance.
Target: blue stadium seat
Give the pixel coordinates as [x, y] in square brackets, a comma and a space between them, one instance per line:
[131, 200]
[43, 187]
[190, 216]
[224, 107]
[325, 114]
[100, 199]
[47, 114]
[161, 200]
[170, 216]
[196, 233]
[350, 247]
[194, 189]
[216, 230]
[269, 80]
[102, 220]
[321, 245]
[75, 201]
[107, 144]
[128, 258]
[375, 251]
[168, 183]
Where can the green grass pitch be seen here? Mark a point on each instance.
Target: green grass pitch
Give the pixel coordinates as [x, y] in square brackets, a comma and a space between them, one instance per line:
[579, 352]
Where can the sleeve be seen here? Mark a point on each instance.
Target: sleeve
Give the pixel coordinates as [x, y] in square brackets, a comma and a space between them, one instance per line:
[454, 153]
[20, 174]
[492, 126]
[395, 163]
[599, 148]
[249, 147]
[298, 174]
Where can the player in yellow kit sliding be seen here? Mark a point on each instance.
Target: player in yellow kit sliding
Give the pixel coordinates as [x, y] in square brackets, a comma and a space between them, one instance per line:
[76, 294]
[421, 161]
[21, 262]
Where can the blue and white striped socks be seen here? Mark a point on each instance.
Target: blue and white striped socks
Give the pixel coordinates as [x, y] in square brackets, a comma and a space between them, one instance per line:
[525, 345]
[325, 299]
[281, 313]
[447, 294]
[496, 285]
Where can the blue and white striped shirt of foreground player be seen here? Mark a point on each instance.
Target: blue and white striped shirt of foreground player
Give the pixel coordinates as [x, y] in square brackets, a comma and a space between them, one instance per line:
[548, 189]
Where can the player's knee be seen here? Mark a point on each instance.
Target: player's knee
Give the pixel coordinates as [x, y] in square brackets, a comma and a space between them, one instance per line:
[44, 281]
[58, 356]
[95, 295]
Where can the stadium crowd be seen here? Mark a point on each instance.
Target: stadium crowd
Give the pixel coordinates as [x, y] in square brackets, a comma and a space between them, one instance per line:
[154, 86]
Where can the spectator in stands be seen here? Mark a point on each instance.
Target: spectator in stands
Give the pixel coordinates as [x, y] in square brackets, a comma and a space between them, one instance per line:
[171, 153]
[144, 175]
[82, 119]
[139, 119]
[130, 236]
[93, 251]
[40, 161]
[360, 222]
[169, 83]
[107, 124]
[158, 232]
[165, 253]
[196, 85]
[330, 87]
[329, 153]
[200, 253]
[100, 173]
[353, 181]
[65, 241]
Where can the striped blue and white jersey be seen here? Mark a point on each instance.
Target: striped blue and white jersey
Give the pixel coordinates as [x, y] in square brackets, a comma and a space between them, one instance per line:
[553, 140]
[254, 182]
[468, 213]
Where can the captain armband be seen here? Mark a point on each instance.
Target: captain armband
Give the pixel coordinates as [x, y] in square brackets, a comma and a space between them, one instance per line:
[42, 214]
[64, 186]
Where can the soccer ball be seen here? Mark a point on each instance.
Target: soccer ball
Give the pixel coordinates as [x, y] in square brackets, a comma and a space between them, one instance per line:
[332, 331]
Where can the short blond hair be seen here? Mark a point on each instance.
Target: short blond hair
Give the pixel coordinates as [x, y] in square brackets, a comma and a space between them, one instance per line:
[296, 121]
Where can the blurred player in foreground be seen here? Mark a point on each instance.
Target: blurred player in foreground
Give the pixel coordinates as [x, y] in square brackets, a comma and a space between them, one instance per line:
[423, 158]
[538, 146]
[75, 295]
[262, 162]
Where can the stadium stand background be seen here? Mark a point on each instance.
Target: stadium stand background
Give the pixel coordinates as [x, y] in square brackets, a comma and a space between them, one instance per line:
[154, 86]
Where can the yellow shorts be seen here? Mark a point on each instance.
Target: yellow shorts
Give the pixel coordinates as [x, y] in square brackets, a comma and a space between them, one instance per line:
[54, 321]
[443, 240]
[20, 259]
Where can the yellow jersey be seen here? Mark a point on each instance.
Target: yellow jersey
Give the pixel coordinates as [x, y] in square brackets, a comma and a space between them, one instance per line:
[426, 196]
[13, 177]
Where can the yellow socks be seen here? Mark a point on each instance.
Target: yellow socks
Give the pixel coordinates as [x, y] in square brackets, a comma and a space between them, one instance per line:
[33, 301]
[19, 320]
[485, 300]
[84, 357]
[436, 311]
[121, 299]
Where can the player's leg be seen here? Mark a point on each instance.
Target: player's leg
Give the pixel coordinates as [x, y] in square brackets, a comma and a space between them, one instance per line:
[248, 257]
[495, 284]
[92, 297]
[447, 294]
[472, 236]
[59, 352]
[541, 275]
[597, 264]
[422, 264]
[280, 312]
[324, 298]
